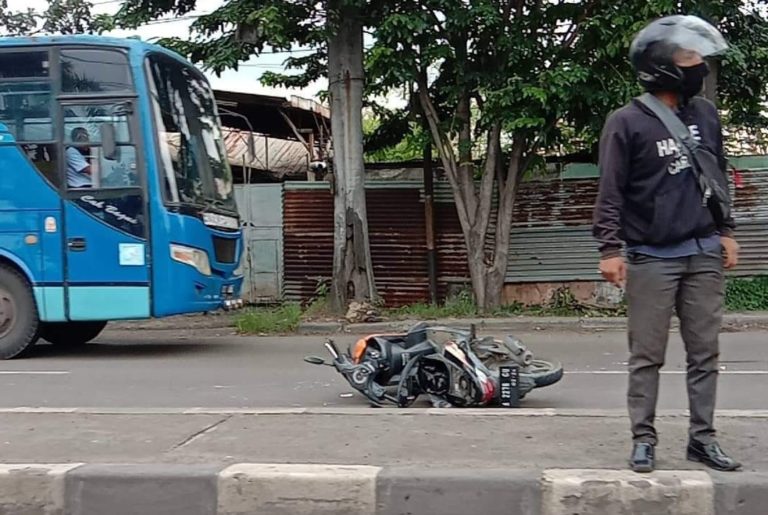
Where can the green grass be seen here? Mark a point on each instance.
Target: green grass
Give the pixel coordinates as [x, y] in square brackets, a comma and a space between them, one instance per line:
[281, 319]
[458, 306]
[747, 294]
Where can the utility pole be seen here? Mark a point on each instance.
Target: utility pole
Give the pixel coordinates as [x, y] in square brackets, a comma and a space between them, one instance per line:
[429, 218]
[352, 266]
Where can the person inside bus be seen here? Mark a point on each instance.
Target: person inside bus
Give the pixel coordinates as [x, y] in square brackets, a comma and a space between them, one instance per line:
[78, 169]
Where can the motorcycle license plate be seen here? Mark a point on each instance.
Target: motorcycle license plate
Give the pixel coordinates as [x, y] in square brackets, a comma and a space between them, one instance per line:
[509, 386]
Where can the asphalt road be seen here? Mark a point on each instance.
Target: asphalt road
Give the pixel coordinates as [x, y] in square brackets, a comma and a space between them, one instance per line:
[188, 369]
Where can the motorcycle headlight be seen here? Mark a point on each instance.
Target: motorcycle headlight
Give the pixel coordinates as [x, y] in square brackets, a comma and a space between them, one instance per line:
[193, 257]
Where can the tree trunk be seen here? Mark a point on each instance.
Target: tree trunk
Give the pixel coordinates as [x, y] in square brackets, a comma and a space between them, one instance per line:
[352, 268]
[478, 269]
[487, 268]
[497, 269]
[487, 280]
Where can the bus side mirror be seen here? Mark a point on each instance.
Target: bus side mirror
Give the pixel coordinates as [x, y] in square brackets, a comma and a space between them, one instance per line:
[108, 141]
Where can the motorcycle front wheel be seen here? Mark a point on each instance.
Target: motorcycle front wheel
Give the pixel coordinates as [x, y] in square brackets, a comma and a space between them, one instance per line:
[540, 372]
[543, 373]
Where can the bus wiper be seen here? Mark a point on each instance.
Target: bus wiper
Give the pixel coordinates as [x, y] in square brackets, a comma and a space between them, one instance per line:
[212, 203]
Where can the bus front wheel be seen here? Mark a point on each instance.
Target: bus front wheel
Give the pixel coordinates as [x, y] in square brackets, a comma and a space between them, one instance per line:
[18, 314]
[70, 334]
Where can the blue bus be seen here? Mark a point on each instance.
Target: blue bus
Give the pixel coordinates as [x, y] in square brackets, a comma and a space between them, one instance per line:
[116, 196]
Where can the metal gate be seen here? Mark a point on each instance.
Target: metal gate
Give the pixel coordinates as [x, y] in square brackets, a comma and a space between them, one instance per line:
[261, 210]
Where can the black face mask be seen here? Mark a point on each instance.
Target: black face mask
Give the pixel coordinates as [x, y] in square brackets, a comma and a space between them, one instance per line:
[693, 79]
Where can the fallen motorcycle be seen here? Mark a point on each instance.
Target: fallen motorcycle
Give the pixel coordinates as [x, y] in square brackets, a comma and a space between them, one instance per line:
[452, 366]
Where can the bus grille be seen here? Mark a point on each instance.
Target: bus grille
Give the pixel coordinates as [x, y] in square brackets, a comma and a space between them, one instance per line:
[225, 249]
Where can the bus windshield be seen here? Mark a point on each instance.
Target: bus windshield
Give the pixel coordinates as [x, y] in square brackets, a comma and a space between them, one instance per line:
[191, 143]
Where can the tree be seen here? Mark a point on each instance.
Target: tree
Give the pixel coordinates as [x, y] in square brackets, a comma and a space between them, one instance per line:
[501, 72]
[60, 17]
[18, 22]
[390, 140]
[243, 28]
[511, 77]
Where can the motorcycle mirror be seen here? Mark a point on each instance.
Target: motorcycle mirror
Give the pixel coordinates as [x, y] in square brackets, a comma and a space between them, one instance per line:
[315, 360]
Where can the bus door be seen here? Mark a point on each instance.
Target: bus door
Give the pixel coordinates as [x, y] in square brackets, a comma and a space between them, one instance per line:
[106, 240]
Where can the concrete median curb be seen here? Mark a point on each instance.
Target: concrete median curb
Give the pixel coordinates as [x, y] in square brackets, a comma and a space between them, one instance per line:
[731, 323]
[32, 489]
[299, 489]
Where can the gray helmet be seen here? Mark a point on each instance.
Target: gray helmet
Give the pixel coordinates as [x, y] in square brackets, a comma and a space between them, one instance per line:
[652, 51]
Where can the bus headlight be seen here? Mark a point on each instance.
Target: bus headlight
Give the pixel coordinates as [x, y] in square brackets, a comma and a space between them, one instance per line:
[193, 257]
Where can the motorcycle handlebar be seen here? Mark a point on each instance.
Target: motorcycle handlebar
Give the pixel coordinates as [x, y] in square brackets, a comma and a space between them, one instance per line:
[332, 349]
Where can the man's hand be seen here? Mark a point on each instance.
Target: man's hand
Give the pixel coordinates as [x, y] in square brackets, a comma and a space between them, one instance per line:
[730, 252]
[614, 270]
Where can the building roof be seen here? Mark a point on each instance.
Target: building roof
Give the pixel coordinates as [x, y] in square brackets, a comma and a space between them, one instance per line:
[265, 114]
[280, 158]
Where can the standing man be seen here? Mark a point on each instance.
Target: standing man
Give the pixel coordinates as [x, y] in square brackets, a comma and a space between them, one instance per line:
[650, 202]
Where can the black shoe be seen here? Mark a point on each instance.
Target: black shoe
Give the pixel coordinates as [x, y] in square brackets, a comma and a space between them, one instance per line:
[712, 456]
[642, 459]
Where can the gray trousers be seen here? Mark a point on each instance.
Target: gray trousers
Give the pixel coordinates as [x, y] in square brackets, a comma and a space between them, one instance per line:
[693, 287]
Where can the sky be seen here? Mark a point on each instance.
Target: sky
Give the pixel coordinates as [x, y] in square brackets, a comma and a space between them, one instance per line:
[246, 79]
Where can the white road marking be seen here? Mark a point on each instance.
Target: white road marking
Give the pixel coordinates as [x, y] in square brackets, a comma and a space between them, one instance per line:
[33, 372]
[567, 372]
[664, 372]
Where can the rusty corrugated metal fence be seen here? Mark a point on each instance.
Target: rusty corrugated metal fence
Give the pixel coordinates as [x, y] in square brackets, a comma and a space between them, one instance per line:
[551, 239]
[396, 232]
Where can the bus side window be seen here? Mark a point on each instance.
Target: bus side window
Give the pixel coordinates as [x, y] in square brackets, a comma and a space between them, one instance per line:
[94, 71]
[26, 103]
[85, 163]
[44, 158]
